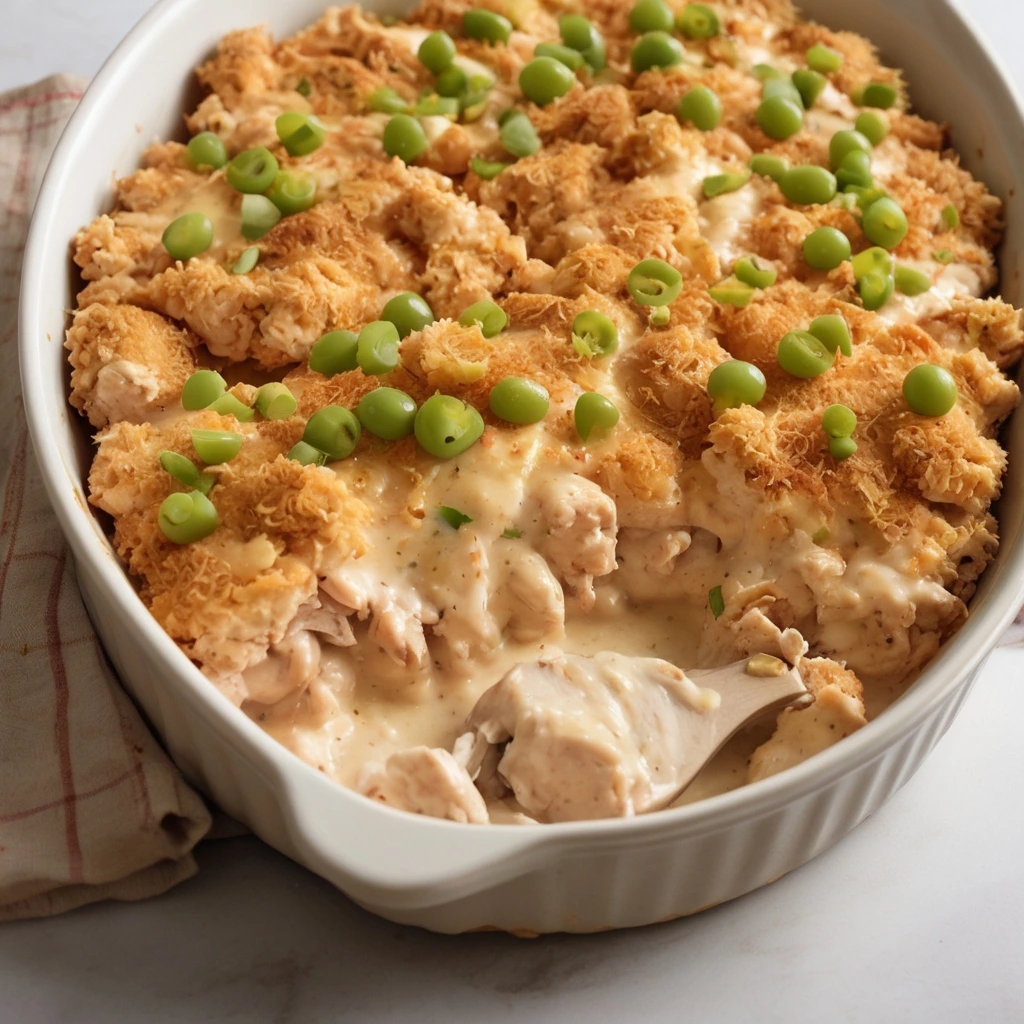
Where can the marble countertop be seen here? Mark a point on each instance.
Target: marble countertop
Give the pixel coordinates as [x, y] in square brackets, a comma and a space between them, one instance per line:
[916, 916]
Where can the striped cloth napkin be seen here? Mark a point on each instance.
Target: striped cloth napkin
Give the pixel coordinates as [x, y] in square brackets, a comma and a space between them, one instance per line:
[91, 808]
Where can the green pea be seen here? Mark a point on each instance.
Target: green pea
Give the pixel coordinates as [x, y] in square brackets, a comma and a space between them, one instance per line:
[844, 142]
[405, 138]
[216, 446]
[950, 217]
[519, 400]
[437, 106]
[377, 347]
[838, 421]
[594, 334]
[275, 402]
[259, 215]
[486, 26]
[452, 82]
[228, 405]
[488, 315]
[875, 289]
[731, 293]
[487, 169]
[207, 150]
[783, 88]
[911, 282]
[408, 312]
[701, 107]
[871, 261]
[865, 196]
[185, 471]
[597, 56]
[545, 79]
[841, 448]
[659, 316]
[247, 260]
[578, 32]
[698, 21]
[930, 390]
[654, 282]
[826, 248]
[803, 355]
[876, 94]
[187, 518]
[473, 102]
[779, 117]
[824, 59]
[594, 412]
[252, 171]
[566, 55]
[188, 235]
[810, 85]
[436, 52]
[387, 101]
[518, 135]
[334, 431]
[833, 333]
[307, 455]
[885, 223]
[651, 16]
[202, 389]
[750, 272]
[334, 353]
[735, 383]
[808, 185]
[655, 50]
[855, 170]
[293, 192]
[872, 126]
[301, 134]
[765, 72]
[446, 427]
[387, 413]
[720, 184]
[768, 166]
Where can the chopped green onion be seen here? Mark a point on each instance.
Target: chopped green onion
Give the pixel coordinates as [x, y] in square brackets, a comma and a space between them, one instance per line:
[185, 471]
[749, 271]
[659, 316]
[228, 405]
[247, 261]
[437, 106]
[810, 85]
[334, 431]
[452, 516]
[950, 217]
[185, 518]
[446, 427]
[654, 282]
[519, 400]
[275, 402]
[487, 169]
[803, 355]
[765, 72]
[571, 58]
[518, 135]
[292, 192]
[387, 101]
[872, 261]
[594, 334]
[716, 602]
[944, 256]
[188, 235]
[252, 171]
[731, 293]
[300, 134]
[202, 389]
[720, 184]
[511, 533]
[377, 347]
[490, 317]
[307, 455]
[735, 383]
[216, 446]
[259, 215]
[911, 282]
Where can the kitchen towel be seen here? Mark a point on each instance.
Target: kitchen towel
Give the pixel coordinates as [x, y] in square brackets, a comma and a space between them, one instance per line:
[91, 807]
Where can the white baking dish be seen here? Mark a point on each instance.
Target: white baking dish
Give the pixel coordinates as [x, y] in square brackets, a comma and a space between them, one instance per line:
[571, 877]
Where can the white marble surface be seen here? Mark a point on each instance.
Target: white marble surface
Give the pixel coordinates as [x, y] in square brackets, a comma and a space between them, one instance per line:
[917, 916]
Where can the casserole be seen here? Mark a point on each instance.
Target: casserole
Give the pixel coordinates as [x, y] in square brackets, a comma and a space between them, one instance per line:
[452, 880]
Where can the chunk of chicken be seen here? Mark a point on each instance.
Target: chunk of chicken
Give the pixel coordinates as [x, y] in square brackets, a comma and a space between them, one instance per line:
[593, 737]
[425, 780]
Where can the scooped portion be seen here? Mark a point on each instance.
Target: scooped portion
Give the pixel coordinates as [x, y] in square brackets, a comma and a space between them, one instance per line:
[470, 384]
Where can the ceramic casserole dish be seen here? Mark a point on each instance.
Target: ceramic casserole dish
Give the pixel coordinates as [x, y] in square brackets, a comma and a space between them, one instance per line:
[451, 878]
